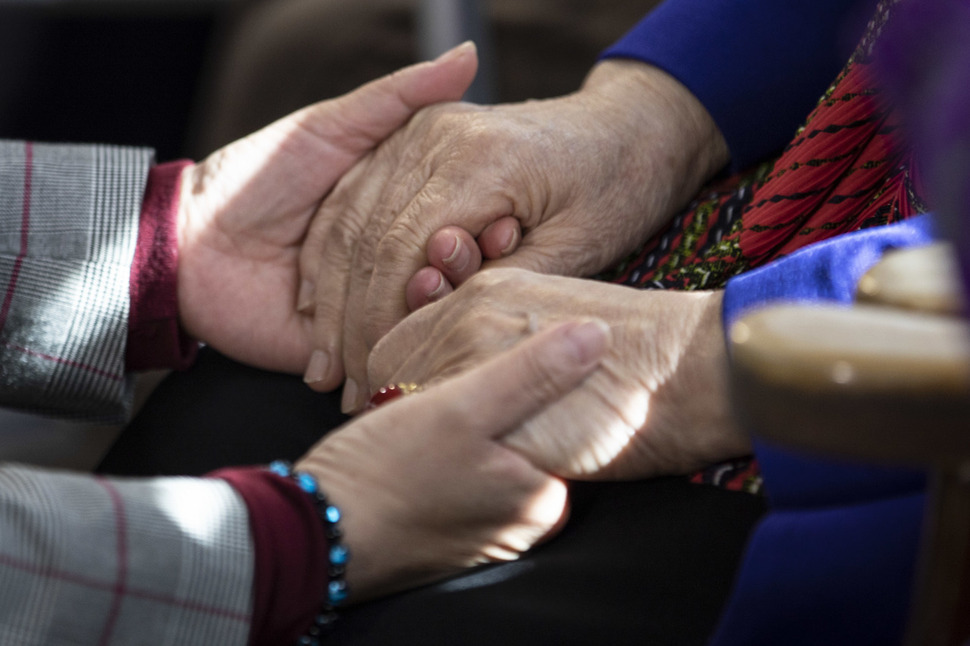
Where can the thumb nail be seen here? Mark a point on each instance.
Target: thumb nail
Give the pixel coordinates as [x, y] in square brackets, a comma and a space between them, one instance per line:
[512, 243]
[587, 342]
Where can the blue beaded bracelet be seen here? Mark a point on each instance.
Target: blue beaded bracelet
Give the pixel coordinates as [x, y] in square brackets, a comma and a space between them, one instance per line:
[337, 554]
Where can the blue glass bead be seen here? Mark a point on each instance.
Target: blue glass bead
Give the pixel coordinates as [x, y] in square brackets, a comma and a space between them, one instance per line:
[339, 555]
[333, 514]
[280, 468]
[337, 592]
[306, 482]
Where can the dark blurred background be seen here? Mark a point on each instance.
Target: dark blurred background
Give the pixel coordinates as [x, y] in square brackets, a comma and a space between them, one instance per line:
[118, 72]
[185, 76]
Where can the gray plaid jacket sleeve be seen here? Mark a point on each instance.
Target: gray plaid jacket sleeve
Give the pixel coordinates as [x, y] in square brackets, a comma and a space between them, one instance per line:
[68, 228]
[87, 560]
[83, 560]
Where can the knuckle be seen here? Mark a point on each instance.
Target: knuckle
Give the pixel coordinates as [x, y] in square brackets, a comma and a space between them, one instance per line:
[472, 338]
[448, 117]
[504, 282]
[405, 238]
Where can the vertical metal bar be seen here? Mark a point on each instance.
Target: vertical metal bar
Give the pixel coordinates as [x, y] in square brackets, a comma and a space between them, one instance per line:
[442, 24]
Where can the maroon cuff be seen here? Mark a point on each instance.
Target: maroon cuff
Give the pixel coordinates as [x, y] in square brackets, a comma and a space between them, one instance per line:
[289, 584]
[155, 339]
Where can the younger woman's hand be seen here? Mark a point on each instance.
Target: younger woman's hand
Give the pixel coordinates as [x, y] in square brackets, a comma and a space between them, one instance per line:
[426, 484]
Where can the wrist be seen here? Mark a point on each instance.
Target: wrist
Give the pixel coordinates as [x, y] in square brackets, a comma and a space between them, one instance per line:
[184, 237]
[692, 407]
[372, 531]
[290, 570]
[182, 217]
[663, 122]
[367, 575]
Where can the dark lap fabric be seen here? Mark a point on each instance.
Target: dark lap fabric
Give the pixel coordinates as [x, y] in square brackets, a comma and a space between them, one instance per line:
[220, 413]
[646, 562]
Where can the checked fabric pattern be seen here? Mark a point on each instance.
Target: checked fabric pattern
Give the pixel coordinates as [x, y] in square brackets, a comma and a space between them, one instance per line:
[87, 560]
[845, 170]
[68, 228]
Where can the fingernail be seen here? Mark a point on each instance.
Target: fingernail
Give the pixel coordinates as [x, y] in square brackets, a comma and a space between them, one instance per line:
[512, 243]
[438, 291]
[348, 404]
[316, 370]
[304, 299]
[454, 252]
[458, 260]
[455, 52]
[587, 342]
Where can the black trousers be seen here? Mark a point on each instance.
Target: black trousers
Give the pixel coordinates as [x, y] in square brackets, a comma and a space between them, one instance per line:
[648, 562]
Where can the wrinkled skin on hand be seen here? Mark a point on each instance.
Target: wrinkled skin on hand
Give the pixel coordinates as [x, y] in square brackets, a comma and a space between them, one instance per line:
[425, 483]
[659, 405]
[585, 177]
[244, 211]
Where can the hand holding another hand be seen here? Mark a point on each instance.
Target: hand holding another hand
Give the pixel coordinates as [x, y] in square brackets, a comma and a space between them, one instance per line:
[658, 406]
[244, 211]
[569, 184]
[427, 487]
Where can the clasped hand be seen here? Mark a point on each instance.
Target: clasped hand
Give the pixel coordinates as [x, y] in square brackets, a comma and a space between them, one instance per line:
[411, 514]
[569, 184]
[244, 211]
[564, 186]
[261, 251]
[658, 405]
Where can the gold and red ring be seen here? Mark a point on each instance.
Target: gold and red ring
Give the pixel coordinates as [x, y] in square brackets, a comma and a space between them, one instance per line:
[390, 392]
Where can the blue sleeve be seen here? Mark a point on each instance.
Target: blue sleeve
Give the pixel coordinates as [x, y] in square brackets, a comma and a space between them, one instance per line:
[827, 271]
[758, 66]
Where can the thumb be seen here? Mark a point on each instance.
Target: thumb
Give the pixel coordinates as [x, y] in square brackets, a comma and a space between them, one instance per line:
[356, 121]
[496, 397]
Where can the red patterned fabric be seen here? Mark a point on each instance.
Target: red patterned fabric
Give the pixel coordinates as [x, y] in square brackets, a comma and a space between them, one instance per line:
[845, 170]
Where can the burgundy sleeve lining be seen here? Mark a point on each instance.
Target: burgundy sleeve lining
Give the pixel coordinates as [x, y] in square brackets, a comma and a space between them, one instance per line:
[290, 545]
[155, 338]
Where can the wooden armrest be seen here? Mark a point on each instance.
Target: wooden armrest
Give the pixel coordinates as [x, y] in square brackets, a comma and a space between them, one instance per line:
[919, 278]
[862, 381]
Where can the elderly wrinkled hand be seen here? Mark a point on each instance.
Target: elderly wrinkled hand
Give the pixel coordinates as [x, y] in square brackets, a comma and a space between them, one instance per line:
[659, 405]
[244, 211]
[425, 484]
[570, 184]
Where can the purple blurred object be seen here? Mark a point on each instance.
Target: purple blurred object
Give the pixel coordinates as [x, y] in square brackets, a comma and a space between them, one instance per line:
[924, 62]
